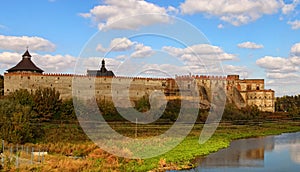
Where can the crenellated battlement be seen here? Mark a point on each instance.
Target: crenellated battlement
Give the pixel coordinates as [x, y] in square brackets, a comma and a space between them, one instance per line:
[240, 91]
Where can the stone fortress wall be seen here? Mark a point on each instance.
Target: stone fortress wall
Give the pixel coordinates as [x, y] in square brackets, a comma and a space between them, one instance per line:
[103, 84]
[242, 92]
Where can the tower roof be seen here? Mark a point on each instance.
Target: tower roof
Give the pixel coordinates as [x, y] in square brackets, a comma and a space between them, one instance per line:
[25, 65]
[26, 54]
[102, 72]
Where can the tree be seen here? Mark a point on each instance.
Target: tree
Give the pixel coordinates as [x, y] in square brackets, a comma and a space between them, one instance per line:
[47, 104]
[172, 110]
[15, 122]
[67, 111]
[143, 104]
[22, 97]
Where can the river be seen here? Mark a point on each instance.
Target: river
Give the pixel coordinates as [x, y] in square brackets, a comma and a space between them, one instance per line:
[272, 153]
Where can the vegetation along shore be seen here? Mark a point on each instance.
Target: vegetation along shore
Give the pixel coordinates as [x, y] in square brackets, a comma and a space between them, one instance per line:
[28, 121]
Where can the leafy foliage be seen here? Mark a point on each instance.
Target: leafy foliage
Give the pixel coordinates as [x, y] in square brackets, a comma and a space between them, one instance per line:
[47, 103]
[231, 113]
[143, 104]
[16, 112]
[289, 105]
[21, 113]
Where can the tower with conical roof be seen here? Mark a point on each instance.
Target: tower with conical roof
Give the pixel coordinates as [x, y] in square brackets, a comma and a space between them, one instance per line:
[25, 65]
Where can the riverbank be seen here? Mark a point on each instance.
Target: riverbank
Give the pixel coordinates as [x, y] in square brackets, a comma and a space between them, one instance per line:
[183, 156]
[63, 155]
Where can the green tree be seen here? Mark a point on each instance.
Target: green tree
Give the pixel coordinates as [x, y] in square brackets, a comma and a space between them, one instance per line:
[16, 123]
[143, 104]
[22, 96]
[172, 110]
[67, 110]
[107, 108]
[47, 104]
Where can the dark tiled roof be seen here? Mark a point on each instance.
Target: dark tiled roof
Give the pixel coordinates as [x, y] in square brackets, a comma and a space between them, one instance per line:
[26, 65]
[99, 73]
[26, 54]
[102, 72]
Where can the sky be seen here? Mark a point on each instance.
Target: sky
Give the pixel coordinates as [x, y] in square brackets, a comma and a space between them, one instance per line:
[251, 38]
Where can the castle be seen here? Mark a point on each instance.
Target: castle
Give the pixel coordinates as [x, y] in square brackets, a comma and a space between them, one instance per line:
[242, 92]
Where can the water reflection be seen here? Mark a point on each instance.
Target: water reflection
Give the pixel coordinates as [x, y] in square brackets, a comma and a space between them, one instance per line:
[246, 152]
[273, 153]
[295, 152]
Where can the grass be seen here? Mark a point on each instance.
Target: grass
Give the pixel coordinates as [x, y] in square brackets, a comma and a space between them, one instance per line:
[181, 157]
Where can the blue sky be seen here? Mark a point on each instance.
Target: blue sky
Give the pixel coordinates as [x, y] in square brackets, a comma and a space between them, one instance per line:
[255, 39]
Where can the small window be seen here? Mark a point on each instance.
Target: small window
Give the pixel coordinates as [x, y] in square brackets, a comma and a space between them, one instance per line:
[28, 77]
[42, 77]
[51, 85]
[257, 88]
[57, 78]
[7, 90]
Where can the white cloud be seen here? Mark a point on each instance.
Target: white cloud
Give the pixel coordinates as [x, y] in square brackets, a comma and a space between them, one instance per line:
[55, 63]
[121, 44]
[117, 44]
[277, 64]
[282, 75]
[288, 8]
[9, 59]
[121, 57]
[19, 43]
[49, 63]
[243, 71]
[142, 51]
[113, 11]
[198, 52]
[166, 70]
[124, 44]
[250, 45]
[220, 26]
[295, 60]
[295, 50]
[235, 12]
[295, 24]
[100, 48]
[282, 71]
